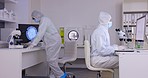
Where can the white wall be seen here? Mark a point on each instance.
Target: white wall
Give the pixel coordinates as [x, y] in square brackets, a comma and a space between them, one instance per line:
[135, 5]
[22, 11]
[80, 13]
[34, 5]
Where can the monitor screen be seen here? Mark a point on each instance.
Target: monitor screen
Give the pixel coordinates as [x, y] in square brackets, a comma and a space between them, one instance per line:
[28, 32]
[140, 28]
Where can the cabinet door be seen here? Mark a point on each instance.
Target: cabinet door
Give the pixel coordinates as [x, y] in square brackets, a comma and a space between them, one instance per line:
[133, 66]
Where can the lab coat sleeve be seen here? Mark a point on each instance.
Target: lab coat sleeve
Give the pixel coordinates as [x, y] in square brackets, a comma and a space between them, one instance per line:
[41, 31]
[102, 48]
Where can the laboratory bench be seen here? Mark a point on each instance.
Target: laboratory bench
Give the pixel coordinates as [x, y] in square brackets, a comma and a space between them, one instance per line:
[133, 64]
[33, 61]
[13, 61]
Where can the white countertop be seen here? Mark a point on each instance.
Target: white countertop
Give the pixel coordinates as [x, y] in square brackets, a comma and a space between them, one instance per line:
[135, 51]
[21, 50]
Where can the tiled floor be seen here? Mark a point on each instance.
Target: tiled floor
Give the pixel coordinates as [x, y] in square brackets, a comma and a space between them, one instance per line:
[84, 73]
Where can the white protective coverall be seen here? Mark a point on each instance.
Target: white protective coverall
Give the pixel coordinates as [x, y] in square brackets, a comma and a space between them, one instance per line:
[102, 54]
[52, 41]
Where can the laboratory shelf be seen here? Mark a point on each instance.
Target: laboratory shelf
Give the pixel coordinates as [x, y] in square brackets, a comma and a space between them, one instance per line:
[9, 1]
[130, 12]
[132, 25]
[7, 20]
[12, 1]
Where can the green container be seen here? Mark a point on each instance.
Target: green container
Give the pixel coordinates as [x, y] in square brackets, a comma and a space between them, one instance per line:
[62, 40]
[62, 31]
[62, 34]
[139, 45]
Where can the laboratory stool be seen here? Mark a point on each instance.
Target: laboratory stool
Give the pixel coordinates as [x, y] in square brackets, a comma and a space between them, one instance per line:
[70, 55]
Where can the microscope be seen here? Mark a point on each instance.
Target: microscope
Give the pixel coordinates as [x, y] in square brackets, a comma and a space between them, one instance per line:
[125, 37]
[14, 39]
[121, 35]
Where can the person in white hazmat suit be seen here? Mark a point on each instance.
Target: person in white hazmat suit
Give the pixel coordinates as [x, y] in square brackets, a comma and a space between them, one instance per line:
[102, 54]
[52, 41]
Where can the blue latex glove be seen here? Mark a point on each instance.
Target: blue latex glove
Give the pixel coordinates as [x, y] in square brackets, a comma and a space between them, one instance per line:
[64, 76]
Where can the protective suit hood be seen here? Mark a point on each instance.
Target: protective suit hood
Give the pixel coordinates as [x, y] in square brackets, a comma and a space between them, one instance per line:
[36, 15]
[104, 18]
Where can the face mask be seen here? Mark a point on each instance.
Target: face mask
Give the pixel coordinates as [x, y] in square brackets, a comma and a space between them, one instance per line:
[36, 20]
[109, 24]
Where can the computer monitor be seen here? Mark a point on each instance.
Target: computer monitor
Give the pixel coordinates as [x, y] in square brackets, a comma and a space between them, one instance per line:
[140, 28]
[28, 32]
[140, 32]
